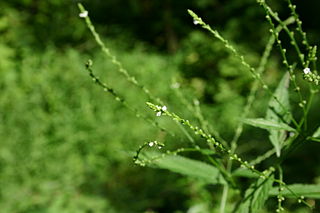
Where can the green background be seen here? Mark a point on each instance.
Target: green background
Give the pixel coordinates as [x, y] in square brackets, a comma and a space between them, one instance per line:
[66, 146]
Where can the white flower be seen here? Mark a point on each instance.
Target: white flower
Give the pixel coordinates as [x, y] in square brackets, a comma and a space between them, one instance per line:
[152, 143]
[83, 14]
[195, 22]
[161, 110]
[306, 70]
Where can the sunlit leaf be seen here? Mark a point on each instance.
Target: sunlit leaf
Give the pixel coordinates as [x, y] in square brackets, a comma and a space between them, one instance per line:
[267, 124]
[316, 134]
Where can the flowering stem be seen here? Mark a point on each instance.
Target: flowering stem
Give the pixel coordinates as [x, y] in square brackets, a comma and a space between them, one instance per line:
[252, 70]
[111, 91]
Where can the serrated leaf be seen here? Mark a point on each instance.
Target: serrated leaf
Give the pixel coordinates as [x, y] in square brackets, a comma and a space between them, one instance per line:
[267, 124]
[306, 190]
[278, 113]
[256, 196]
[189, 167]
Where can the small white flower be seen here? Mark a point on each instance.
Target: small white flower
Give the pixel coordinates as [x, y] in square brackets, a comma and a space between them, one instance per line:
[306, 70]
[161, 110]
[195, 22]
[151, 144]
[83, 14]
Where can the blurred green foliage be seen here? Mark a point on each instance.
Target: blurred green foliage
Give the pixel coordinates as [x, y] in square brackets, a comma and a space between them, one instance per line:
[66, 146]
[161, 23]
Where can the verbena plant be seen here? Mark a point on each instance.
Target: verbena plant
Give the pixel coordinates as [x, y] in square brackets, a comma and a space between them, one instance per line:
[285, 123]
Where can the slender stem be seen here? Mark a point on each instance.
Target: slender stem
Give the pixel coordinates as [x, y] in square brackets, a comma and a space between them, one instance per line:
[280, 189]
[250, 101]
[224, 198]
[120, 67]
[252, 70]
[196, 110]
[117, 97]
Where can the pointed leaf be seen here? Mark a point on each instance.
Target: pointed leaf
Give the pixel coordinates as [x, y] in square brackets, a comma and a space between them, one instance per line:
[256, 196]
[189, 167]
[267, 124]
[278, 112]
[309, 191]
[316, 134]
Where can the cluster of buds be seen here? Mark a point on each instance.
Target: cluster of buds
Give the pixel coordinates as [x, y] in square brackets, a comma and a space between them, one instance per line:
[310, 76]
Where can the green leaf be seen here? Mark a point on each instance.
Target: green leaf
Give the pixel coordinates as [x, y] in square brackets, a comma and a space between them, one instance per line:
[279, 113]
[267, 124]
[189, 167]
[316, 134]
[242, 172]
[256, 196]
[309, 191]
